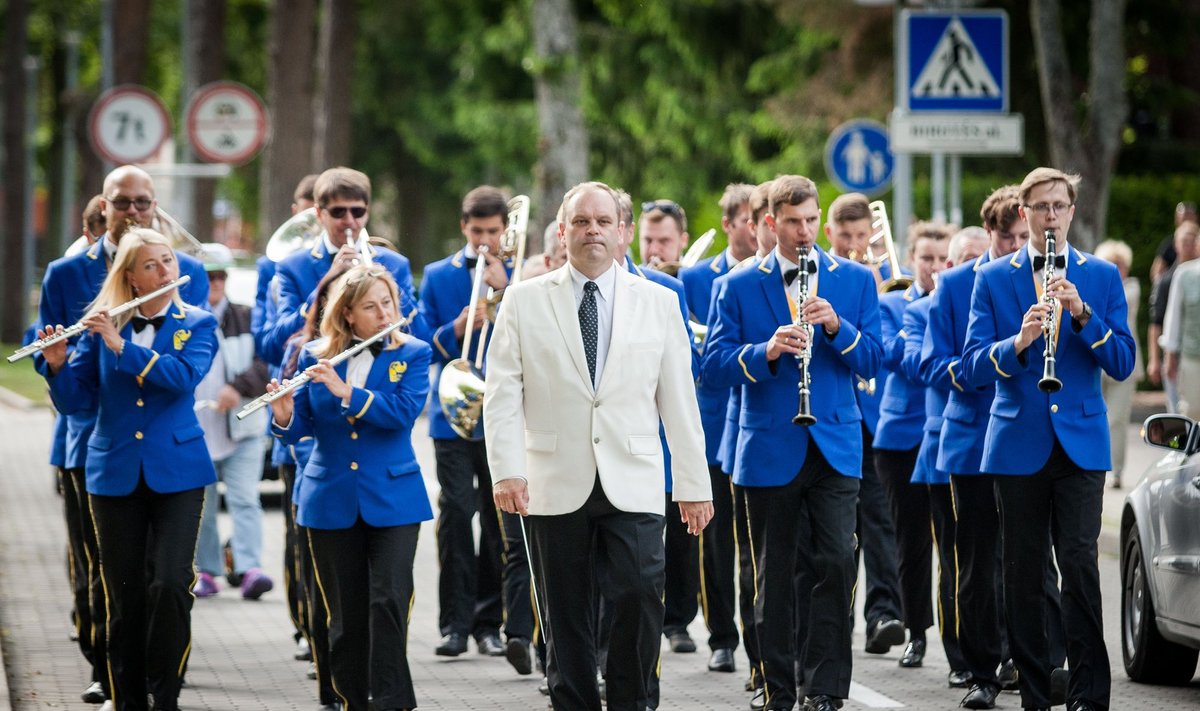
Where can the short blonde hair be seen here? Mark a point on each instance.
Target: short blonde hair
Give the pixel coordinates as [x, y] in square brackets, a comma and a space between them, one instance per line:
[1114, 250]
[1037, 176]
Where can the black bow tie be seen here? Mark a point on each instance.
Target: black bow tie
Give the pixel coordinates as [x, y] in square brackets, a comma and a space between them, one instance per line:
[376, 348]
[139, 323]
[1060, 262]
[471, 262]
[790, 275]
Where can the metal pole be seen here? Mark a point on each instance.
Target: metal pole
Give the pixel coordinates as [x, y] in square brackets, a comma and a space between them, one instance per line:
[31, 87]
[181, 187]
[70, 159]
[956, 211]
[107, 70]
[902, 197]
[937, 187]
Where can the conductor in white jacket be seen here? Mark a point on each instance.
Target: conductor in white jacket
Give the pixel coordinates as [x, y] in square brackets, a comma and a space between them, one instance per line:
[573, 444]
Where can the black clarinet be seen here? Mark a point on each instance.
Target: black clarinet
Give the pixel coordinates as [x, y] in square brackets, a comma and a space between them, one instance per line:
[1049, 382]
[804, 414]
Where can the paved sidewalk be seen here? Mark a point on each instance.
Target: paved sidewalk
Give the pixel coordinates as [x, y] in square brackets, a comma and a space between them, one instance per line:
[241, 657]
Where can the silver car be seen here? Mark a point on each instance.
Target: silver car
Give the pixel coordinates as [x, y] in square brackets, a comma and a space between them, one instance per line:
[1160, 558]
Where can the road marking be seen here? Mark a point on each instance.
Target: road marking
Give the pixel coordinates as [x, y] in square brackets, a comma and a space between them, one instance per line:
[872, 699]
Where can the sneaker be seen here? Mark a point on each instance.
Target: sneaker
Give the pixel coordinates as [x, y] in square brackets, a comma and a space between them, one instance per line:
[255, 583]
[205, 585]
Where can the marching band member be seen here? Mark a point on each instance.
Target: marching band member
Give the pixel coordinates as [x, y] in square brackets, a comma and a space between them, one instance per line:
[1049, 450]
[146, 464]
[362, 497]
[788, 470]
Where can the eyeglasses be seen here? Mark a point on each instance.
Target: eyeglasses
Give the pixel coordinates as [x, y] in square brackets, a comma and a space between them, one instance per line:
[339, 212]
[666, 206]
[123, 203]
[1045, 207]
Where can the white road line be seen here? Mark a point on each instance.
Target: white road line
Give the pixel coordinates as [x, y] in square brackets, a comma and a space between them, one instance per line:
[871, 698]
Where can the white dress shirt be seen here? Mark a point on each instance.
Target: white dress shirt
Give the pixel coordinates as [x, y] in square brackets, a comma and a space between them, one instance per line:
[793, 289]
[145, 337]
[1064, 251]
[607, 283]
[357, 370]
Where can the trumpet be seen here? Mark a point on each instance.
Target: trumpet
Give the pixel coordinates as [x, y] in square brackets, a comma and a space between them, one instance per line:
[804, 414]
[78, 328]
[294, 384]
[1049, 382]
[460, 386]
[881, 232]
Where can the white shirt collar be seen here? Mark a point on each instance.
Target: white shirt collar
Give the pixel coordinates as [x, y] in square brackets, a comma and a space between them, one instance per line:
[606, 281]
[1034, 252]
[110, 249]
[469, 251]
[329, 248]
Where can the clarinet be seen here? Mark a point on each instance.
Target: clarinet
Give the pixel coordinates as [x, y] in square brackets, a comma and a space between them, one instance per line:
[1049, 382]
[804, 414]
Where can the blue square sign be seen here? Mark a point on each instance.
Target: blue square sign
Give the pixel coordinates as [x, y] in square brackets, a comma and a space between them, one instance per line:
[956, 61]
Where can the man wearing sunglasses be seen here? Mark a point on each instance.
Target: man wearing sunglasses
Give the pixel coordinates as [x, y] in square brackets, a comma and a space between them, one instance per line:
[662, 235]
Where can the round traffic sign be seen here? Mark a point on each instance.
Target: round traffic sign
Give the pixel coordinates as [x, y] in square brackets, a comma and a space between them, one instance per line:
[226, 123]
[128, 124]
[858, 157]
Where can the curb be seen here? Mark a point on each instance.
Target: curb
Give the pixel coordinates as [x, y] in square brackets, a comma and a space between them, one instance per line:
[16, 401]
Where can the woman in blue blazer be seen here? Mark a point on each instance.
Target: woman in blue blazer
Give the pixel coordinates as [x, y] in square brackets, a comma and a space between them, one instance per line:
[147, 465]
[362, 498]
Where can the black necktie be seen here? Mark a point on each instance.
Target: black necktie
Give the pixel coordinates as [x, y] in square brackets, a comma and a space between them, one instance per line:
[589, 325]
[376, 348]
[790, 275]
[139, 323]
[1060, 262]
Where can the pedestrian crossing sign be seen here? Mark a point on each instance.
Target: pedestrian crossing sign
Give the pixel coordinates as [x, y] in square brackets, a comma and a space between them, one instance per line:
[956, 61]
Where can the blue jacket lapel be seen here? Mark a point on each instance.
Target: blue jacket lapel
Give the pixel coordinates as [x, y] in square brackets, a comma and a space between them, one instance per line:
[1022, 278]
[772, 285]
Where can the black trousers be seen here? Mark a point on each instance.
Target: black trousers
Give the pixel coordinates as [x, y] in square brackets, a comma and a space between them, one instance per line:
[680, 596]
[914, 542]
[1058, 506]
[876, 542]
[366, 578]
[829, 501]
[470, 594]
[623, 553]
[718, 596]
[316, 619]
[292, 582]
[518, 605]
[149, 621]
[84, 568]
[941, 509]
[747, 581]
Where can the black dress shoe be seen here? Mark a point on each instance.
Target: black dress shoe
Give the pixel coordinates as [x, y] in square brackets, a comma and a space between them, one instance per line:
[1009, 678]
[821, 703]
[883, 635]
[681, 642]
[959, 678]
[721, 661]
[914, 654]
[981, 696]
[335, 706]
[517, 654]
[1080, 705]
[94, 694]
[1059, 678]
[759, 700]
[451, 645]
[489, 645]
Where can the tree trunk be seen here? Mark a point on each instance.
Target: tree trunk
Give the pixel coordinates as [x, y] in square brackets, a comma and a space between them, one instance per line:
[14, 301]
[335, 63]
[131, 35]
[287, 157]
[1089, 149]
[562, 135]
[206, 24]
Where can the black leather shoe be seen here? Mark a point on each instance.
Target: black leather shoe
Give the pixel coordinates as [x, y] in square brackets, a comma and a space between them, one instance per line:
[884, 635]
[451, 645]
[721, 661]
[517, 654]
[1008, 676]
[94, 694]
[914, 654]
[959, 678]
[821, 703]
[335, 706]
[681, 642]
[1080, 705]
[759, 700]
[981, 696]
[1059, 678]
[489, 645]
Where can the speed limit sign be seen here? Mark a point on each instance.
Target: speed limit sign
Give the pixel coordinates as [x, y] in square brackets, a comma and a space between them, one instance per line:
[128, 124]
[226, 123]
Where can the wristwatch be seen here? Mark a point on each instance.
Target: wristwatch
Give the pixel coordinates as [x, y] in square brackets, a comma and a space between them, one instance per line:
[1087, 313]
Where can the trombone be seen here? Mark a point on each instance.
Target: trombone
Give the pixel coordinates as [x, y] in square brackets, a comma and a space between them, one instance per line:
[294, 384]
[881, 232]
[170, 228]
[78, 328]
[460, 386]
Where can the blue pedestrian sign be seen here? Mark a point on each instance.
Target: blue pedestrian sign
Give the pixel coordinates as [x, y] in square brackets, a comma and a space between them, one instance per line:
[858, 157]
[956, 61]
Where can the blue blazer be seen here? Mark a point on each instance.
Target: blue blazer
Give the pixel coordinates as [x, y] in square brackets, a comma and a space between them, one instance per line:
[960, 445]
[698, 284]
[770, 449]
[727, 448]
[146, 422]
[69, 285]
[1025, 421]
[296, 453]
[916, 318]
[298, 277]
[902, 407]
[362, 462]
[264, 308]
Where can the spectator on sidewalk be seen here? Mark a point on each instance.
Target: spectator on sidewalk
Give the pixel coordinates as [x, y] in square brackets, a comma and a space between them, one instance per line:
[1185, 247]
[1119, 393]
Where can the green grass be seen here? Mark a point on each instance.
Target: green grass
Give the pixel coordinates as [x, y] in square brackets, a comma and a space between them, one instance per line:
[21, 378]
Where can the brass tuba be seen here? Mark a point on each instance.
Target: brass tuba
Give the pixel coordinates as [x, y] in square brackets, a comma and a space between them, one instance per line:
[460, 387]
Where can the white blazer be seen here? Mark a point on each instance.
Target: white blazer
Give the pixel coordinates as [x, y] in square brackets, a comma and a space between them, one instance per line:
[546, 423]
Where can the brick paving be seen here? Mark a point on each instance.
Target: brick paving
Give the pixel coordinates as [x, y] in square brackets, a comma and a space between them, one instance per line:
[241, 657]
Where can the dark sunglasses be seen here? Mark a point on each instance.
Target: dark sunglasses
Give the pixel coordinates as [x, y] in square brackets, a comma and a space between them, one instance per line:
[665, 206]
[339, 212]
[123, 203]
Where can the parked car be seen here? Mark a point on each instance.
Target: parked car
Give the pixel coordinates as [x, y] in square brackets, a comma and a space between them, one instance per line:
[1160, 558]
